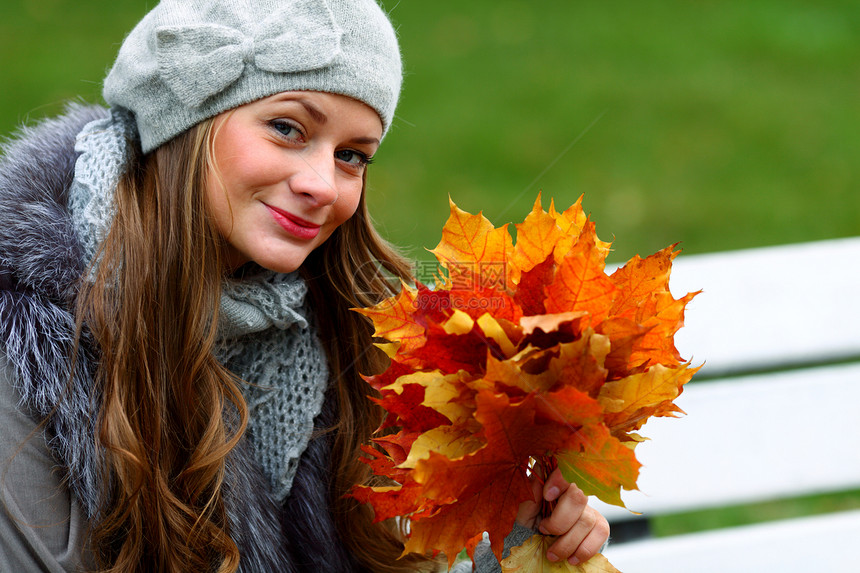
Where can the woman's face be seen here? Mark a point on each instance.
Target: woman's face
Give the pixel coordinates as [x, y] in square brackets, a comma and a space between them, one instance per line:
[288, 170]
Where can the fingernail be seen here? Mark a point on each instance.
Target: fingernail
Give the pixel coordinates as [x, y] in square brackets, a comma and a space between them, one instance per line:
[552, 557]
[543, 530]
[573, 560]
[552, 493]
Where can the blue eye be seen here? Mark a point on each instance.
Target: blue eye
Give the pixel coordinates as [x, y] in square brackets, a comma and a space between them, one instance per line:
[286, 129]
[353, 157]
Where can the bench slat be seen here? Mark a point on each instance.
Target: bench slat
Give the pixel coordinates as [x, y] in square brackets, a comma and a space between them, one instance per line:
[772, 306]
[750, 439]
[821, 543]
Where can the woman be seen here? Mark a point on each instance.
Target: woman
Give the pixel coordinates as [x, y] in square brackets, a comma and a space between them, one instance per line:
[176, 275]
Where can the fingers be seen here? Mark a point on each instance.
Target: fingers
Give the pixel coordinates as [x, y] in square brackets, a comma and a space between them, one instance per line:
[570, 503]
[556, 485]
[581, 530]
[582, 541]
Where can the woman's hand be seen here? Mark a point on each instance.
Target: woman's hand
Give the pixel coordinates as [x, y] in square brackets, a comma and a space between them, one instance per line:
[580, 530]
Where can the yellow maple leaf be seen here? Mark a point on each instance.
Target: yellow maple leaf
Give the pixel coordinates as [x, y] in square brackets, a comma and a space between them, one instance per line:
[537, 237]
[511, 373]
[450, 441]
[629, 402]
[470, 243]
[572, 222]
[440, 391]
[600, 465]
[530, 557]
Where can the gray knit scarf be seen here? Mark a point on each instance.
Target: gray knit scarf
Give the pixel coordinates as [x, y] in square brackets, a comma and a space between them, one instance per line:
[266, 334]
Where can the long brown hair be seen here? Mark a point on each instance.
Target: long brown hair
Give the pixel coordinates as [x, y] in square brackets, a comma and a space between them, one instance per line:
[170, 412]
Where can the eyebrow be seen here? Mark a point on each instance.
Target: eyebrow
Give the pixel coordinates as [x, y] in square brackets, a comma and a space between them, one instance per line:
[365, 140]
[316, 113]
[318, 116]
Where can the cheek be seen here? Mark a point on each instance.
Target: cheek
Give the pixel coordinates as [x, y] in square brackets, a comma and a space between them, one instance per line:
[243, 158]
[218, 202]
[347, 203]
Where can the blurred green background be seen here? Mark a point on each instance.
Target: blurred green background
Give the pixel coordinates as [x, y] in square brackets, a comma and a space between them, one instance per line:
[722, 125]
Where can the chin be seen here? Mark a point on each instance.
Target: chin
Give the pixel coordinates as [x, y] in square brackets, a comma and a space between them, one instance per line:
[281, 263]
[279, 266]
[278, 256]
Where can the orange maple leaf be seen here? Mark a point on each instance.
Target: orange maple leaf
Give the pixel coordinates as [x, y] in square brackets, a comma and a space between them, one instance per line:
[537, 237]
[394, 320]
[644, 297]
[639, 279]
[581, 283]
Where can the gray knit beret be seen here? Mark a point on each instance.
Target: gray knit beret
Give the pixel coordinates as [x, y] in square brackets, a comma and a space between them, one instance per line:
[189, 60]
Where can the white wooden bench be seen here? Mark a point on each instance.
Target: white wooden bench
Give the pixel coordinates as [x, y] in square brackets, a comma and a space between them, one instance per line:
[775, 414]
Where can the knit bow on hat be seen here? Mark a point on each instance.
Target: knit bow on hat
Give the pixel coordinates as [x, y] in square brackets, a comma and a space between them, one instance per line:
[199, 60]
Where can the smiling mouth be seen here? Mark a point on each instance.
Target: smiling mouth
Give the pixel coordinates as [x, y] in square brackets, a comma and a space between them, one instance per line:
[295, 226]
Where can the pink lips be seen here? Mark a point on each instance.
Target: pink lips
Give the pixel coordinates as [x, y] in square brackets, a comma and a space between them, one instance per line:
[293, 225]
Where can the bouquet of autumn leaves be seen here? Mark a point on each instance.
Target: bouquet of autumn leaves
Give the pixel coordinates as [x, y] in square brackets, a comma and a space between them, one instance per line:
[526, 357]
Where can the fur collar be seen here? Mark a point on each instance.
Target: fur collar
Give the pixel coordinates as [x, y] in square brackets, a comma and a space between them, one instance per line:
[40, 264]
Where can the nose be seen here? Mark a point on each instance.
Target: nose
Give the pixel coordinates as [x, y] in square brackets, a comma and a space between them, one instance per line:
[314, 177]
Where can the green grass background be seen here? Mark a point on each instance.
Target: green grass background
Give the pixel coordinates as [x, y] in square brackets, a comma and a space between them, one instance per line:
[721, 125]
